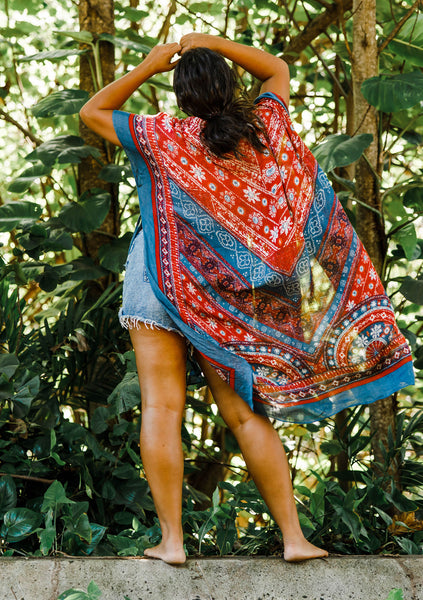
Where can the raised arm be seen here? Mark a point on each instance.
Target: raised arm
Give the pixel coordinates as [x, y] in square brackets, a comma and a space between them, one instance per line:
[271, 70]
[97, 112]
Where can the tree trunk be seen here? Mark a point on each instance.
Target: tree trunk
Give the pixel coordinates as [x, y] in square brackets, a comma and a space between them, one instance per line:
[341, 460]
[97, 16]
[207, 479]
[370, 227]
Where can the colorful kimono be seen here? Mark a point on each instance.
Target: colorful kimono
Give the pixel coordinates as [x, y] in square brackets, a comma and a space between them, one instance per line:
[257, 264]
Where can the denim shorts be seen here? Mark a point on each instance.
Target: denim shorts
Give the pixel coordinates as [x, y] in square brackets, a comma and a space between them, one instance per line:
[139, 303]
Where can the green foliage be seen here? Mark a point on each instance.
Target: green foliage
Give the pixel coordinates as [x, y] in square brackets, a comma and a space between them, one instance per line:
[64, 102]
[88, 213]
[395, 594]
[69, 396]
[52, 55]
[408, 43]
[93, 593]
[341, 150]
[63, 149]
[18, 213]
[366, 518]
[24, 181]
[391, 93]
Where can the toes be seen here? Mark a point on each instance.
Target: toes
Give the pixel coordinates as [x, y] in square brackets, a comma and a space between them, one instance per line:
[172, 558]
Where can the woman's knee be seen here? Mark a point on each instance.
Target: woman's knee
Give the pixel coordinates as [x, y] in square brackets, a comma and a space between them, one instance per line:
[233, 409]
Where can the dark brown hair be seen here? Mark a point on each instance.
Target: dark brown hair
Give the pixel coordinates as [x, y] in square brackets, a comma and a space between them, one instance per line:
[206, 87]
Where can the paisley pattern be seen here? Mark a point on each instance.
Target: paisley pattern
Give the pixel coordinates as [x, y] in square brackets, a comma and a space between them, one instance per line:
[256, 262]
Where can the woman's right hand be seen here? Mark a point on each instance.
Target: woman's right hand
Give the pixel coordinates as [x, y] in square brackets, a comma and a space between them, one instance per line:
[271, 70]
[161, 57]
[198, 40]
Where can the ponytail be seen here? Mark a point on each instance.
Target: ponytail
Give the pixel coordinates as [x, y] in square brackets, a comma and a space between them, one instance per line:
[206, 87]
[222, 132]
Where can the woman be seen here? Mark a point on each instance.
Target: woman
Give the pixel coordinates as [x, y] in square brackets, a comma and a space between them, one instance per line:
[253, 261]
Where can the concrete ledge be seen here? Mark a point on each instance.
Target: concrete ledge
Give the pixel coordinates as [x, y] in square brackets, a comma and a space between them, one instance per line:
[335, 578]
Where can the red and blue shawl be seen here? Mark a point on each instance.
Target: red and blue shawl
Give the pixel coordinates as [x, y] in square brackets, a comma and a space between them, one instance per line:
[256, 262]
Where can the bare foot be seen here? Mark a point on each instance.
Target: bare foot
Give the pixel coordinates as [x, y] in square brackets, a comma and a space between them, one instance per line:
[171, 554]
[302, 550]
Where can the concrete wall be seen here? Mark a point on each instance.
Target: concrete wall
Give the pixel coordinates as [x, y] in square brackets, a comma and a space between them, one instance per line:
[335, 578]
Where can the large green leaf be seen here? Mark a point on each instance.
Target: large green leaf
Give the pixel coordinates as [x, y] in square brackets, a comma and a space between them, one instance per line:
[62, 150]
[54, 497]
[412, 289]
[8, 494]
[18, 213]
[51, 55]
[8, 364]
[413, 198]
[317, 503]
[19, 523]
[77, 509]
[126, 394]
[24, 181]
[27, 390]
[396, 594]
[80, 527]
[339, 150]
[408, 43]
[134, 493]
[63, 102]
[133, 14]
[6, 388]
[406, 237]
[305, 522]
[93, 590]
[87, 214]
[391, 93]
[341, 50]
[99, 420]
[83, 37]
[113, 256]
[21, 29]
[49, 279]
[331, 447]
[73, 594]
[401, 502]
[58, 240]
[47, 537]
[84, 269]
[115, 173]
[93, 593]
[124, 43]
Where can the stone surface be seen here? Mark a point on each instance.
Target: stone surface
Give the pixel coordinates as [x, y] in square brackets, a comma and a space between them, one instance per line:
[335, 578]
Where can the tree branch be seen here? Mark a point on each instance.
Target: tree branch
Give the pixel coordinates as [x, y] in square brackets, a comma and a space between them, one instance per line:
[28, 478]
[4, 115]
[198, 16]
[313, 29]
[399, 26]
[164, 31]
[329, 72]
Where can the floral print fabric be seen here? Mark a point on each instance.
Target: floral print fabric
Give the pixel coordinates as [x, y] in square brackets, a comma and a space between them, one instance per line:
[256, 262]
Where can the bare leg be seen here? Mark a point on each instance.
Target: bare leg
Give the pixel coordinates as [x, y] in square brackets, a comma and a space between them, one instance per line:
[266, 461]
[161, 364]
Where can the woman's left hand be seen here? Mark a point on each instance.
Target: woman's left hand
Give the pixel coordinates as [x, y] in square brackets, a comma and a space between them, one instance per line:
[161, 56]
[197, 40]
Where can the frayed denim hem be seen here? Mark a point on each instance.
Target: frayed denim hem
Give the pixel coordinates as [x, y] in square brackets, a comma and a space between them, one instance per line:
[135, 323]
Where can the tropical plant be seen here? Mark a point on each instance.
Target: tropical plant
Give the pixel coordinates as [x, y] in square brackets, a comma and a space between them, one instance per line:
[69, 421]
